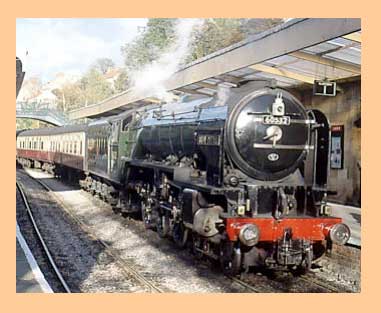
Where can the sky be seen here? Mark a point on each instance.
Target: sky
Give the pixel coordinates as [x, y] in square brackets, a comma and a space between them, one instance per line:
[48, 46]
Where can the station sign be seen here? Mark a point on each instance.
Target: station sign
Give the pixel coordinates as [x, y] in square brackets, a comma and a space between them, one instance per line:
[324, 88]
[337, 146]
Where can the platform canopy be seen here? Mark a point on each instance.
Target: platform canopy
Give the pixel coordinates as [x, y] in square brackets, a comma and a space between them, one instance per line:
[295, 53]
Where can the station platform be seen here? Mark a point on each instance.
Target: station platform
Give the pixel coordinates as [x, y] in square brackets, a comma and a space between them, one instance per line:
[29, 278]
[352, 217]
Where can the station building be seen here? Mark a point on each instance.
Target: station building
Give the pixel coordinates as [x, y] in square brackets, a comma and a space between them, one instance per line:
[344, 113]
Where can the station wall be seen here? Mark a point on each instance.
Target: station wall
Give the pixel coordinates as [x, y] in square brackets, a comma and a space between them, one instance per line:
[343, 109]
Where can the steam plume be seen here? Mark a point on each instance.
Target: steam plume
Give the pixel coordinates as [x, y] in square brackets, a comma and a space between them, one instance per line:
[152, 77]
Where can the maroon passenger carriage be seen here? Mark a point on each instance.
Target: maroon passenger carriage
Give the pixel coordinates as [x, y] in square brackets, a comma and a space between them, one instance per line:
[53, 148]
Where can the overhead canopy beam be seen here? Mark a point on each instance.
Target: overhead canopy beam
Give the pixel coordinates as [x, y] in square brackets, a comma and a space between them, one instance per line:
[294, 35]
[354, 37]
[207, 85]
[152, 99]
[283, 73]
[192, 91]
[325, 61]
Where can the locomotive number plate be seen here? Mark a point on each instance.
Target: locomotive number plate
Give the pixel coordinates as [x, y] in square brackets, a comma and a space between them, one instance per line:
[276, 120]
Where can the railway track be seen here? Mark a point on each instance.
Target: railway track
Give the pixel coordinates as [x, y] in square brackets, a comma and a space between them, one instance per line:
[263, 284]
[309, 278]
[128, 269]
[46, 250]
[249, 286]
[288, 284]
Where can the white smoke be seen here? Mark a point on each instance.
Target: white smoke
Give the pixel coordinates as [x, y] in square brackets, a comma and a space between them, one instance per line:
[152, 76]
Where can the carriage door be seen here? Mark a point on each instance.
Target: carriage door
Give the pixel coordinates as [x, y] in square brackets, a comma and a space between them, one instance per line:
[113, 149]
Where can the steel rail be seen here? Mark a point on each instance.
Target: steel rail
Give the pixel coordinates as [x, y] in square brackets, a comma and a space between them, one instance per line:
[313, 280]
[127, 268]
[246, 285]
[308, 279]
[41, 239]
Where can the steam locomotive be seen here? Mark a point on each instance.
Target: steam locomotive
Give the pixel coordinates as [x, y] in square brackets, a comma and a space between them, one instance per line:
[244, 180]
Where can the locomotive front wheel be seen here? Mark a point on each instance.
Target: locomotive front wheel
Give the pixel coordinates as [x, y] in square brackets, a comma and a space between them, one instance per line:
[162, 226]
[198, 254]
[180, 234]
[230, 259]
[146, 218]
